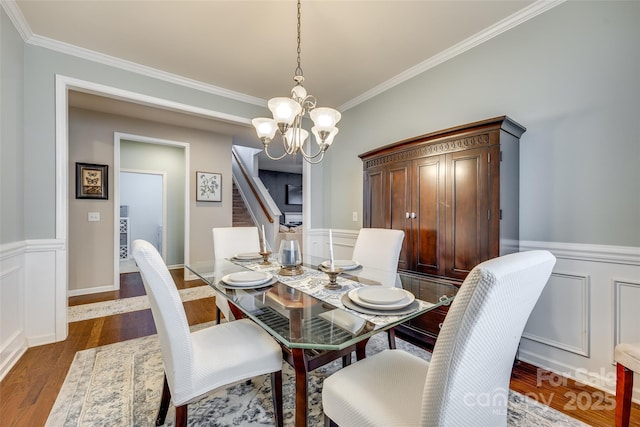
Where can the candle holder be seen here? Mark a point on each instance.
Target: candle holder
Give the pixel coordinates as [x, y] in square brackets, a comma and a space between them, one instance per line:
[333, 277]
[265, 258]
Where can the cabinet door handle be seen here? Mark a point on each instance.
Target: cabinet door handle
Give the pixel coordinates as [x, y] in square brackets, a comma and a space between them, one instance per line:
[407, 215]
[413, 214]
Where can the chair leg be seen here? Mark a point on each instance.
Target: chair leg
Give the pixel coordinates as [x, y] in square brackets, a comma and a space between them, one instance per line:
[217, 315]
[624, 390]
[164, 403]
[392, 338]
[181, 416]
[276, 395]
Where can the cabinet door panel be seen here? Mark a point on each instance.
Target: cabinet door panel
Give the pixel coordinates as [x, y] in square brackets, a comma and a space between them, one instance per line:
[374, 199]
[429, 225]
[400, 203]
[467, 218]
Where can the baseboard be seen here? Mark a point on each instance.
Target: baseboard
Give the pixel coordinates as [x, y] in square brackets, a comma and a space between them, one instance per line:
[89, 291]
[11, 353]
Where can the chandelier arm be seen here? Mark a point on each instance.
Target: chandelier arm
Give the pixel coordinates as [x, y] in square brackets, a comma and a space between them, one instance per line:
[266, 151]
[308, 156]
[309, 159]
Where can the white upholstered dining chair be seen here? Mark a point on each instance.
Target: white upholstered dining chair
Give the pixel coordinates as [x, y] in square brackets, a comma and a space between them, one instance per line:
[467, 381]
[196, 363]
[378, 250]
[227, 242]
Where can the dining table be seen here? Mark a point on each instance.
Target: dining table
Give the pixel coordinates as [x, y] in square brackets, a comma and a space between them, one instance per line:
[315, 321]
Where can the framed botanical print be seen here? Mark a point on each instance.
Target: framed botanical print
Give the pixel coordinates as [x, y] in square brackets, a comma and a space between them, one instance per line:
[208, 187]
[92, 181]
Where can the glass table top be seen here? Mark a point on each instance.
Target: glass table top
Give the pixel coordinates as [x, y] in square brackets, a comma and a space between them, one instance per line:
[300, 312]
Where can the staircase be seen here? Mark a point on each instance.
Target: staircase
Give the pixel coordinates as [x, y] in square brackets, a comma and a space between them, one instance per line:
[241, 217]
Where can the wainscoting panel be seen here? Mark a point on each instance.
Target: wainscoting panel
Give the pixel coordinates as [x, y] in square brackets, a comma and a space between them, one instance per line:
[561, 317]
[13, 342]
[590, 304]
[626, 300]
[46, 291]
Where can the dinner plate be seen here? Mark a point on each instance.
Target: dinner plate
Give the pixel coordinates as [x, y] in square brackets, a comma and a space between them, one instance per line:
[409, 298]
[381, 295]
[348, 303]
[247, 278]
[345, 264]
[247, 287]
[246, 256]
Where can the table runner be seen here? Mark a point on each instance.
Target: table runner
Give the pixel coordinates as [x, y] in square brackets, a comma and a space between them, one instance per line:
[312, 282]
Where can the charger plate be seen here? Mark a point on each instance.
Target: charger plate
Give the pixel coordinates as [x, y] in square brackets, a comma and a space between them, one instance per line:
[347, 302]
[247, 278]
[355, 298]
[247, 256]
[345, 264]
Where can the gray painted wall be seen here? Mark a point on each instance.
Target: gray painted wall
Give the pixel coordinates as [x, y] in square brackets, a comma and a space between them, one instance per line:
[11, 133]
[570, 76]
[41, 67]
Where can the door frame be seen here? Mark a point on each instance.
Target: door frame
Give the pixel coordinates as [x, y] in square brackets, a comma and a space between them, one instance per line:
[116, 209]
[63, 84]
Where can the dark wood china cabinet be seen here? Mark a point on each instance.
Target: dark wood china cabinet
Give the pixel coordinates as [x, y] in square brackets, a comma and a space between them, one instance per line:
[455, 195]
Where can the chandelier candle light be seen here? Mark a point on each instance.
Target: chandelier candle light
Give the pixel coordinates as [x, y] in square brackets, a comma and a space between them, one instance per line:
[288, 114]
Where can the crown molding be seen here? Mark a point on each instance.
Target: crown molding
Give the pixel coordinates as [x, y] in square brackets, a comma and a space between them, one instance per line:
[506, 24]
[17, 18]
[133, 67]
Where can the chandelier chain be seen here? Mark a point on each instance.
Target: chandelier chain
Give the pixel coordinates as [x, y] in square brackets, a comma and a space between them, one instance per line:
[298, 71]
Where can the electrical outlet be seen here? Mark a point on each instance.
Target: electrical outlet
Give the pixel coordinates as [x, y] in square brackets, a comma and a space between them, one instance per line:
[93, 216]
[355, 215]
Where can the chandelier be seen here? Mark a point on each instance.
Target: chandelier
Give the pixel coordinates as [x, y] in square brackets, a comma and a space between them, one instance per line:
[288, 114]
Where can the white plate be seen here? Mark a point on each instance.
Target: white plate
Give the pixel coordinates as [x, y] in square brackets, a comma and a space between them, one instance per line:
[241, 278]
[381, 295]
[247, 276]
[248, 256]
[345, 264]
[244, 286]
[353, 295]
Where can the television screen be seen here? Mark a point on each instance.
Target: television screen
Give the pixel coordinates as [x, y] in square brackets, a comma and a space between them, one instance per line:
[294, 194]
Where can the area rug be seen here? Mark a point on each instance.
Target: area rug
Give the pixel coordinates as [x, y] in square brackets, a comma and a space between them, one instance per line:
[77, 313]
[120, 385]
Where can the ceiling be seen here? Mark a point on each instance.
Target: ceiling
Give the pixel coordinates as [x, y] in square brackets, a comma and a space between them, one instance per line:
[351, 50]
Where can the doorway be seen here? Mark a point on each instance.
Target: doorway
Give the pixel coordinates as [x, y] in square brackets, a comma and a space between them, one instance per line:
[152, 198]
[143, 213]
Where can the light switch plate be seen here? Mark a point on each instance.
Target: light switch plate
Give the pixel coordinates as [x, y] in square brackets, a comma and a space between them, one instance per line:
[355, 215]
[93, 216]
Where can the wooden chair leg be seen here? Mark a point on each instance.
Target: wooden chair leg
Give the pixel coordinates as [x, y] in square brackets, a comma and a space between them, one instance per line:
[392, 338]
[164, 403]
[624, 390]
[276, 395]
[181, 416]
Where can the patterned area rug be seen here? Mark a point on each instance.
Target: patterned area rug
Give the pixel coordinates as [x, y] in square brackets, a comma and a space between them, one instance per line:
[125, 305]
[120, 385]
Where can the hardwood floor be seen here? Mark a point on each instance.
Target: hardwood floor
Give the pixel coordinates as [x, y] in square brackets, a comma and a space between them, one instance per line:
[29, 390]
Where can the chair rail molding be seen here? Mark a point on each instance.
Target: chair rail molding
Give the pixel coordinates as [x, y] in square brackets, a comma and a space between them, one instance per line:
[591, 303]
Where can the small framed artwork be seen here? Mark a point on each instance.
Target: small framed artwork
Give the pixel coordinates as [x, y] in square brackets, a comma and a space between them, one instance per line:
[208, 187]
[92, 181]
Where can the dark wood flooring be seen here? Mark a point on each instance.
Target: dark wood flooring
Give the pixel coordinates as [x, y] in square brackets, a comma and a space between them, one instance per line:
[29, 390]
